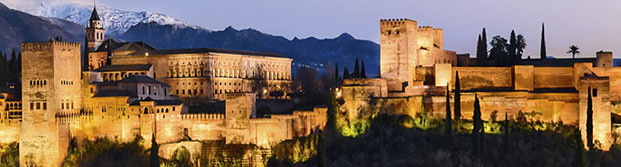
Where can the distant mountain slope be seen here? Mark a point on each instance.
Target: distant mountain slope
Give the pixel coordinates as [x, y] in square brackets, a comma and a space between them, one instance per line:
[342, 50]
[19, 27]
[115, 21]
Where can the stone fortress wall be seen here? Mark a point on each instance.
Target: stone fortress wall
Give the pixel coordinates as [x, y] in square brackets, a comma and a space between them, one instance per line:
[558, 93]
[57, 107]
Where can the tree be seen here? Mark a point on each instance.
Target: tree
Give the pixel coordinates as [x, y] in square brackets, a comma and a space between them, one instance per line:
[4, 70]
[346, 74]
[481, 53]
[573, 50]
[337, 79]
[457, 102]
[484, 41]
[543, 42]
[154, 158]
[589, 120]
[85, 60]
[449, 125]
[356, 70]
[259, 81]
[521, 44]
[512, 48]
[13, 68]
[498, 52]
[311, 93]
[506, 134]
[363, 73]
[476, 131]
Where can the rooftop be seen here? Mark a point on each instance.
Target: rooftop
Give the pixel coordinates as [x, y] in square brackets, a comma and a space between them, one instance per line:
[141, 79]
[131, 67]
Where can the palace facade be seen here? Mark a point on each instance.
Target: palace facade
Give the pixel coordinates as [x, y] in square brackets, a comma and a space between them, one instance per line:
[415, 71]
[121, 90]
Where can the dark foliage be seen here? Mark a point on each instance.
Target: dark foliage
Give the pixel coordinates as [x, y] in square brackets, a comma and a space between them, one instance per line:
[543, 42]
[448, 120]
[457, 103]
[589, 120]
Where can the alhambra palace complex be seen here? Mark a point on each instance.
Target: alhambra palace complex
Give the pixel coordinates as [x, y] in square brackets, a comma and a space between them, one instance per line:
[131, 89]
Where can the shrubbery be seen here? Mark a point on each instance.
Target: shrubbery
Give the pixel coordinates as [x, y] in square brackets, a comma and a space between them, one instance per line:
[388, 143]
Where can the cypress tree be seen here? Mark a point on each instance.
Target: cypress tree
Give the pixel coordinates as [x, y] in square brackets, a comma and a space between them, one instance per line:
[85, 60]
[589, 120]
[543, 42]
[512, 49]
[484, 43]
[476, 131]
[481, 53]
[3, 70]
[457, 103]
[346, 73]
[506, 134]
[356, 70]
[449, 124]
[12, 67]
[363, 73]
[154, 158]
[337, 79]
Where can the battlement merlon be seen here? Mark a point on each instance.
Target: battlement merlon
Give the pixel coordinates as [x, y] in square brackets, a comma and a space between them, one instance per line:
[41, 44]
[395, 21]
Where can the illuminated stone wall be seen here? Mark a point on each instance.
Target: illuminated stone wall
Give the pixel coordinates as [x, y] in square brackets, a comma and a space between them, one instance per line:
[50, 86]
[200, 76]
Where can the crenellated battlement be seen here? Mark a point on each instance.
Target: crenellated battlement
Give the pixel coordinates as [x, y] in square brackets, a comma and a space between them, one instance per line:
[428, 28]
[203, 116]
[394, 21]
[47, 44]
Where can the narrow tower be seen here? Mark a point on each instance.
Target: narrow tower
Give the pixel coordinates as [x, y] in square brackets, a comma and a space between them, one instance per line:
[94, 31]
[50, 87]
[398, 52]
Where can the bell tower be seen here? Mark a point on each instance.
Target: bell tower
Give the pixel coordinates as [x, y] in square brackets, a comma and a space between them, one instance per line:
[94, 31]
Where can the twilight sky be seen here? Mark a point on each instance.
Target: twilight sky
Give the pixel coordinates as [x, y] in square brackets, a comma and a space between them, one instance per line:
[591, 25]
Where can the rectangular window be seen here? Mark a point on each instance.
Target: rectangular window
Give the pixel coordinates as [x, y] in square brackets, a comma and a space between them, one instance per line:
[32, 106]
[594, 92]
[45, 106]
[38, 106]
[62, 106]
[149, 90]
[183, 91]
[177, 92]
[174, 108]
[72, 106]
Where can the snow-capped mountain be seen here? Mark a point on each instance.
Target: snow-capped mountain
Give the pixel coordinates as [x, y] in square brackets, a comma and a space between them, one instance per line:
[115, 21]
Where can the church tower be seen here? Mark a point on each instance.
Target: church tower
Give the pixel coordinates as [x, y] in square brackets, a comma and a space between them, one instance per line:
[94, 31]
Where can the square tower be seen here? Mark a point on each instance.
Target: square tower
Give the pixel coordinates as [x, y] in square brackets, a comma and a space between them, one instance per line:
[50, 85]
[239, 108]
[398, 52]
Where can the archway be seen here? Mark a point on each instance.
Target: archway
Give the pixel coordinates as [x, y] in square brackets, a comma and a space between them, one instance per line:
[182, 157]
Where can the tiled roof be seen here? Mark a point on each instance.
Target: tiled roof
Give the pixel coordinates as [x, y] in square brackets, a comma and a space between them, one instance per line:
[115, 45]
[131, 67]
[94, 15]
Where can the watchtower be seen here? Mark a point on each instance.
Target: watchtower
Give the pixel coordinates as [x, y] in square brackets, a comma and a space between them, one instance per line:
[50, 85]
[398, 52]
